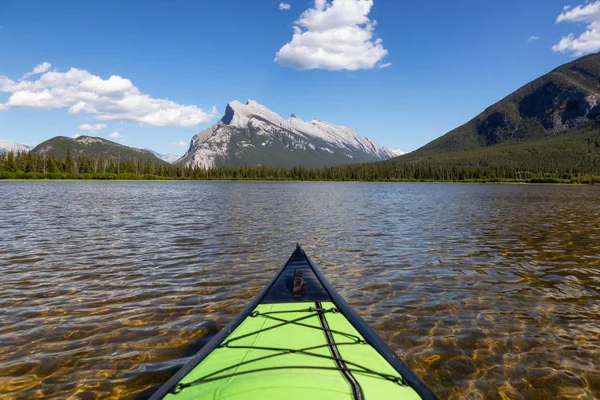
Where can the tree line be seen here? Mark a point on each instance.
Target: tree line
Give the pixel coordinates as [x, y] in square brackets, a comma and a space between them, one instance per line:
[47, 165]
[30, 165]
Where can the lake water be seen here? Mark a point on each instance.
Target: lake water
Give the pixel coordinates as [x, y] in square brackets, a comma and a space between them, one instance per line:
[487, 291]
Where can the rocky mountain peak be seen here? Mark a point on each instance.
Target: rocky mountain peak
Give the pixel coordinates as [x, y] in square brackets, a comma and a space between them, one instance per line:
[252, 134]
[239, 114]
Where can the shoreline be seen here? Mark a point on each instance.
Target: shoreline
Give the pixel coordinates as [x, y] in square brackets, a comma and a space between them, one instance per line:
[550, 181]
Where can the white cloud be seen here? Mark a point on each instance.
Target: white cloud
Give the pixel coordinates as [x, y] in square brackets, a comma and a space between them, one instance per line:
[588, 41]
[385, 65]
[565, 8]
[533, 38]
[115, 135]
[334, 35]
[95, 127]
[38, 69]
[584, 13]
[283, 6]
[75, 136]
[181, 144]
[112, 99]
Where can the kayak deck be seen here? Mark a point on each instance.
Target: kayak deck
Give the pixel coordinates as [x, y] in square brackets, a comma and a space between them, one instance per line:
[297, 340]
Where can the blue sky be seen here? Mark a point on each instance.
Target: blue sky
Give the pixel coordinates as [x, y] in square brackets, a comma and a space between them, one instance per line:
[443, 63]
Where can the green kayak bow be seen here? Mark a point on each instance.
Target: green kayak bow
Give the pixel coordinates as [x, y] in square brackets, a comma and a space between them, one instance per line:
[298, 340]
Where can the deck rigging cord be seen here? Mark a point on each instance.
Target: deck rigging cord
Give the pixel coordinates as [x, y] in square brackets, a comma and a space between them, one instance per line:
[315, 312]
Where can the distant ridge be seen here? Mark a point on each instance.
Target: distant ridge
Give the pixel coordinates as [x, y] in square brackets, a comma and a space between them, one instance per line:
[6, 147]
[170, 158]
[91, 146]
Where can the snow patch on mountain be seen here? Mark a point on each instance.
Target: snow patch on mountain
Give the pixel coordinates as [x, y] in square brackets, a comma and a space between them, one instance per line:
[7, 147]
[398, 152]
[87, 140]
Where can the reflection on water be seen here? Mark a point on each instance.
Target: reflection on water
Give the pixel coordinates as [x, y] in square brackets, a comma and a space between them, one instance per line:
[487, 291]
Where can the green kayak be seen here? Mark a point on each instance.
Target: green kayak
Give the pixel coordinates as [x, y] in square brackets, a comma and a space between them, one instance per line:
[298, 340]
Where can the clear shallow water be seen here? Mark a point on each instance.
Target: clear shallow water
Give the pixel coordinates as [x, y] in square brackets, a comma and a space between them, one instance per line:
[487, 291]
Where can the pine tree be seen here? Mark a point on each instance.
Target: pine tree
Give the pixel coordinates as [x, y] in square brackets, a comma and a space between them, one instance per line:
[11, 165]
[69, 167]
[83, 165]
[51, 164]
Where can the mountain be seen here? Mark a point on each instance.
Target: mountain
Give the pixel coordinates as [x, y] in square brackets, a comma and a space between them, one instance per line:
[170, 158]
[251, 134]
[551, 121]
[7, 147]
[91, 146]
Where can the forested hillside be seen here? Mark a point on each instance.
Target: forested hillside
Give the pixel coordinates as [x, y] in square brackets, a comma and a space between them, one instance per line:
[564, 100]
